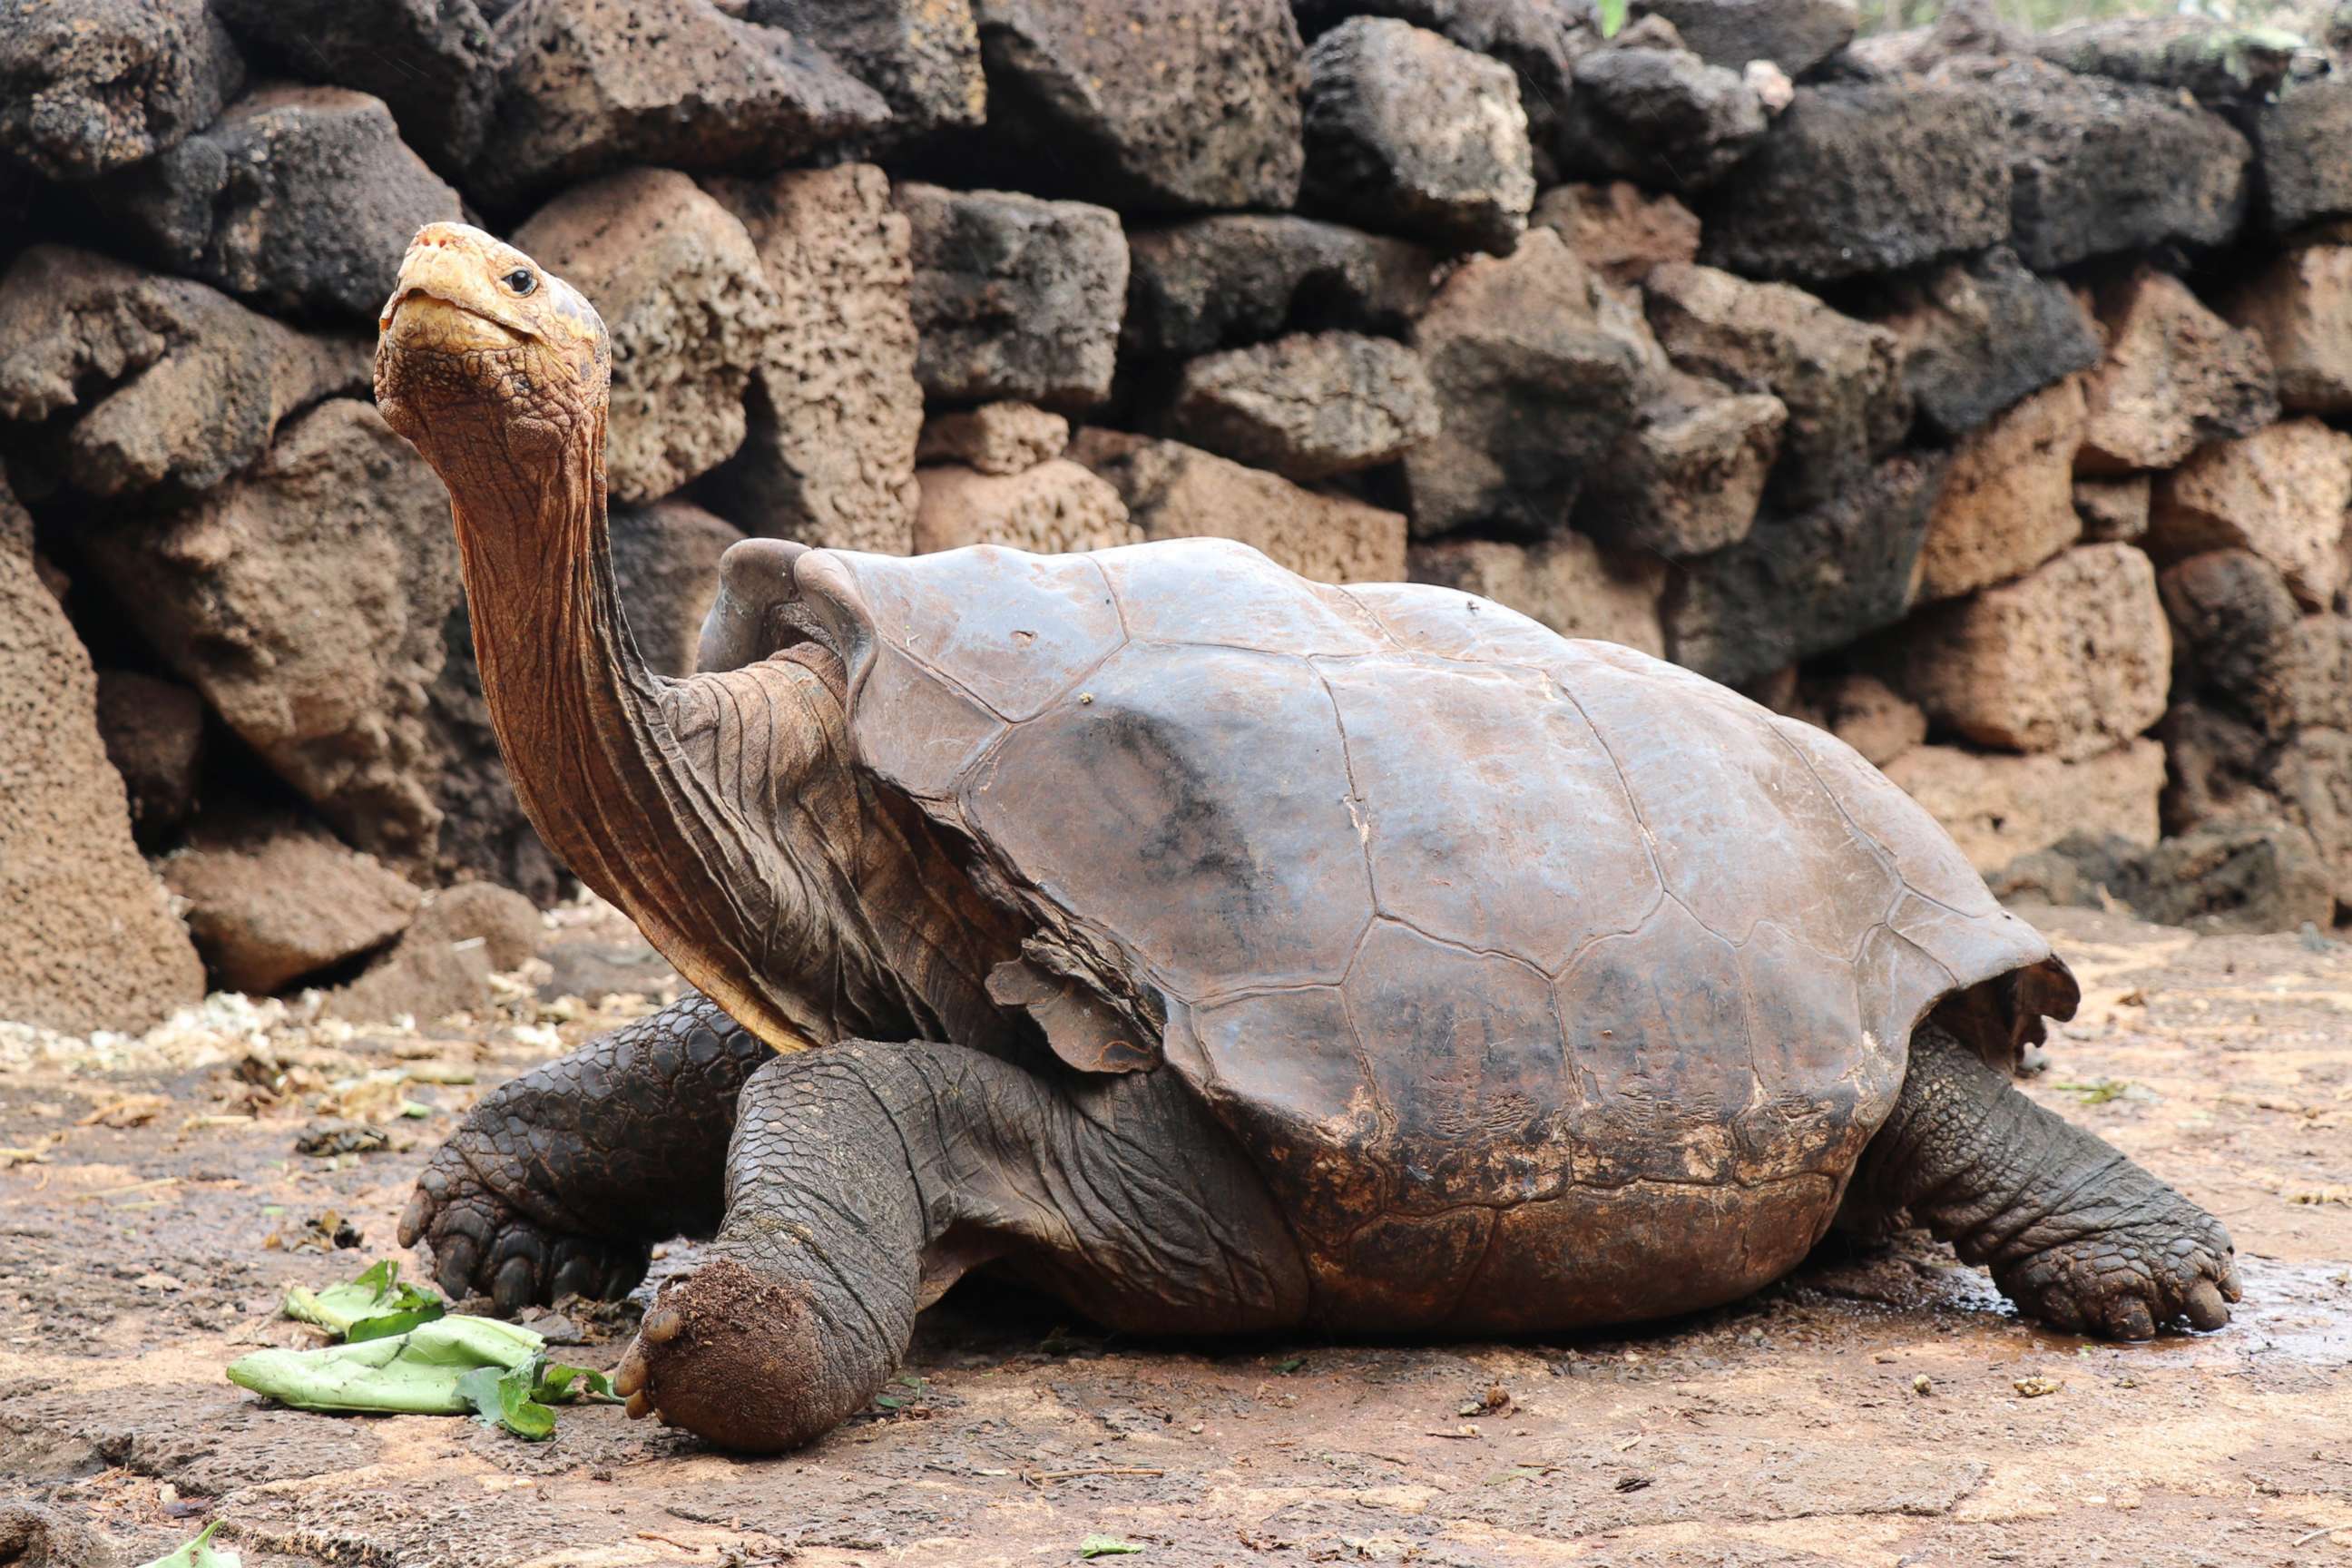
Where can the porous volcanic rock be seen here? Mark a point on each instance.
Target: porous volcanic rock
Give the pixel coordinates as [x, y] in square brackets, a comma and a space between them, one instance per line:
[2300, 305]
[666, 564]
[2176, 376]
[995, 438]
[1998, 806]
[921, 55]
[1168, 105]
[1806, 583]
[1688, 477]
[272, 901]
[1308, 405]
[2240, 640]
[1175, 491]
[87, 938]
[306, 601]
[2008, 500]
[300, 198]
[1567, 581]
[1014, 297]
[679, 285]
[443, 961]
[484, 831]
[1980, 334]
[1646, 109]
[1794, 35]
[1619, 230]
[2071, 658]
[1840, 379]
[2217, 877]
[178, 382]
[835, 410]
[2300, 141]
[1239, 277]
[90, 86]
[1857, 177]
[1867, 714]
[2113, 509]
[1535, 384]
[154, 732]
[1057, 505]
[592, 85]
[1409, 131]
[2282, 492]
[435, 63]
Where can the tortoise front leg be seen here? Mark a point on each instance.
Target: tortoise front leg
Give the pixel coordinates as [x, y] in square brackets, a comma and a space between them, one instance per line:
[2076, 1234]
[560, 1180]
[865, 1178]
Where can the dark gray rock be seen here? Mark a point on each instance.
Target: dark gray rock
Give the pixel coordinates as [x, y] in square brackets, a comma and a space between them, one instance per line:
[921, 55]
[1164, 105]
[666, 564]
[1014, 296]
[594, 84]
[1981, 334]
[1308, 405]
[1689, 476]
[1864, 177]
[2303, 141]
[1802, 585]
[1659, 115]
[1239, 277]
[2210, 61]
[2236, 635]
[89, 85]
[300, 198]
[2099, 166]
[154, 732]
[435, 63]
[1795, 35]
[2230, 875]
[1406, 130]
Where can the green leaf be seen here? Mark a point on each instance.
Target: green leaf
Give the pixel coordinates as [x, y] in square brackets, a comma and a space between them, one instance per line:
[1612, 17]
[415, 1374]
[1107, 1546]
[555, 1380]
[200, 1553]
[504, 1399]
[376, 1299]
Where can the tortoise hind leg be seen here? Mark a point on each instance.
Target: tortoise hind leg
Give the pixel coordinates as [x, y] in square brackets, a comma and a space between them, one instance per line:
[865, 1178]
[2076, 1234]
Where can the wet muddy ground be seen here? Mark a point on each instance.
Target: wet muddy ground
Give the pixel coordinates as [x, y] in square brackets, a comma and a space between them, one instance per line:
[1868, 1410]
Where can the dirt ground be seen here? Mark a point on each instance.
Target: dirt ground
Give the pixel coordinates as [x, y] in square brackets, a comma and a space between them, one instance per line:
[1867, 1410]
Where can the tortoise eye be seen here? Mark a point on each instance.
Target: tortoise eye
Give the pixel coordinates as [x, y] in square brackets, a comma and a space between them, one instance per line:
[522, 281]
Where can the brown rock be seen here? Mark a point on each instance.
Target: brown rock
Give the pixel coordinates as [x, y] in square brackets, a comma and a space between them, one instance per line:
[2238, 638]
[835, 408]
[2070, 660]
[154, 731]
[678, 284]
[442, 963]
[2008, 501]
[1619, 230]
[2301, 304]
[2113, 509]
[1867, 714]
[1840, 379]
[177, 381]
[665, 562]
[87, 938]
[1175, 491]
[307, 603]
[921, 55]
[995, 438]
[1688, 477]
[507, 925]
[1997, 807]
[272, 901]
[1308, 405]
[87, 86]
[2282, 492]
[2176, 376]
[436, 66]
[1567, 581]
[1055, 506]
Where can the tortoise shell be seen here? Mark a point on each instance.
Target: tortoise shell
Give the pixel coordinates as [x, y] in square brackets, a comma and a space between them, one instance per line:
[1447, 916]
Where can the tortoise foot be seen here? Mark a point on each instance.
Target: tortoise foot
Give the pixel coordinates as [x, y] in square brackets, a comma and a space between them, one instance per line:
[2126, 1282]
[482, 1242]
[736, 1357]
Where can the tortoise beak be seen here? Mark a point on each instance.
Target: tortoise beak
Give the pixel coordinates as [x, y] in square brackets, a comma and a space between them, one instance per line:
[445, 298]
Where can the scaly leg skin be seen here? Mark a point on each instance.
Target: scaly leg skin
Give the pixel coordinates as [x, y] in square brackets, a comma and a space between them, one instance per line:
[865, 1178]
[2075, 1233]
[561, 1180]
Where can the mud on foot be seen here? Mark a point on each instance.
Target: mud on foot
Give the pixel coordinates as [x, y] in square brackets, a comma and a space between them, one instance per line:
[2126, 1282]
[737, 1358]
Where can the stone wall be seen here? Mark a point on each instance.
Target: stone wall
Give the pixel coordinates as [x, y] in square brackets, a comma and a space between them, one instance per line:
[1981, 397]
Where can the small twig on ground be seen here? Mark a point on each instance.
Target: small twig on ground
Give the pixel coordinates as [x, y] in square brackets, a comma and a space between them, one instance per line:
[1036, 1478]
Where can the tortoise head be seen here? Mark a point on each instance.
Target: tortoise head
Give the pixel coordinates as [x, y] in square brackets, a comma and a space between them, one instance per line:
[481, 350]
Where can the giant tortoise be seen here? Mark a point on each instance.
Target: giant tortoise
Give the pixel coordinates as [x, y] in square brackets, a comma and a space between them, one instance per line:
[1219, 949]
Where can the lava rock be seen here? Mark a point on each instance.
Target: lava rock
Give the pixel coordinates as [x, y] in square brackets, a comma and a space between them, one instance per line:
[2210, 61]
[91, 86]
[1867, 714]
[2176, 376]
[1794, 35]
[921, 55]
[179, 383]
[434, 64]
[1161, 105]
[2300, 140]
[154, 732]
[2221, 877]
[2281, 492]
[1406, 130]
[1239, 277]
[1568, 582]
[484, 833]
[590, 85]
[1978, 335]
[2301, 306]
[679, 285]
[1804, 583]
[300, 198]
[666, 564]
[995, 439]
[1687, 478]
[1308, 405]
[87, 938]
[442, 963]
[2239, 639]
[306, 601]
[1857, 177]
[1014, 296]
[1057, 505]
[2113, 509]
[2008, 501]
[1175, 491]
[270, 901]
[1999, 807]
[1658, 114]
[1619, 230]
